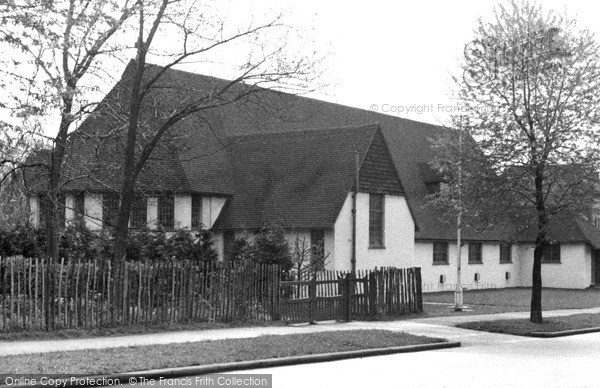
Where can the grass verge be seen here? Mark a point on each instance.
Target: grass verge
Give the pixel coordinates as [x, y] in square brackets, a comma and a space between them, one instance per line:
[524, 327]
[24, 335]
[140, 358]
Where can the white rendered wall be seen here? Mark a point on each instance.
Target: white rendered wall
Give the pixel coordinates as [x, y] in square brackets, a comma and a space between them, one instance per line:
[183, 211]
[573, 271]
[93, 211]
[492, 272]
[399, 235]
[70, 209]
[34, 211]
[211, 208]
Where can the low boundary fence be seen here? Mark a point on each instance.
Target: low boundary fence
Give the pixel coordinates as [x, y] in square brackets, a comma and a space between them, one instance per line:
[339, 295]
[41, 294]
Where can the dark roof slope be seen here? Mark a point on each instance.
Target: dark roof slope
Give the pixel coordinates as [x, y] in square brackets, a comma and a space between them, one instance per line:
[201, 162]
[567, 228]
[298, 179]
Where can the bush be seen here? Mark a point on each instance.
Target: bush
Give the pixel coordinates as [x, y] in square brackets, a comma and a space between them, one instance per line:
[268, 246]
[22, 240]
[78, 242]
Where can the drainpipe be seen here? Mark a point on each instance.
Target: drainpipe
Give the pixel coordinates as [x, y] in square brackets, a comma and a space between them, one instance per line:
[354, 197]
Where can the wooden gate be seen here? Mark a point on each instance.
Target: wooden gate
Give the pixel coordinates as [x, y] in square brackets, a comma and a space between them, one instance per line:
[314, 300]
[330, 295]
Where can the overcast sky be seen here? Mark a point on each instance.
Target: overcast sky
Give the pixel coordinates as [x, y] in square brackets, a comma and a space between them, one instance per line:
[397, 57]
[403, 53]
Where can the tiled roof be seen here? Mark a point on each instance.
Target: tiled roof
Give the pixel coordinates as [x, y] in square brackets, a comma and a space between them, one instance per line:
[200, 162]
[567, 228]
[298, 179]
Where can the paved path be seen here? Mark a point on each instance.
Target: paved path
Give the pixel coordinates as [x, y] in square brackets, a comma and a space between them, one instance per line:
[518, 363]
[441, 327]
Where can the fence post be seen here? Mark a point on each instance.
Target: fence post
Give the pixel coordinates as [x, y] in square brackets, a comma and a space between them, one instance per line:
[372, 293]
[419, 296]
[312, 294]
[348, 296]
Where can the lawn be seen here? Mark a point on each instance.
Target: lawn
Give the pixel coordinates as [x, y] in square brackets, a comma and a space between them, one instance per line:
[524, 327]
[492, 301]
[26, 335]
[207, 352]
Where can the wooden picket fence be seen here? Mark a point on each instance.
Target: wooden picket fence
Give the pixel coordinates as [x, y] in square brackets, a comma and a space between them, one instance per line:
[41, 294]
[339, 295]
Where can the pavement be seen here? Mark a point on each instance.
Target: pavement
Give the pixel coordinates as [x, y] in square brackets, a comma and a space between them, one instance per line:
[440, 327]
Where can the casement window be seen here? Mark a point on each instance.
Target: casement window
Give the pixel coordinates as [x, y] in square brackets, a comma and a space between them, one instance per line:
[166, 212]
[552, 253]
[196, 211]
[376, 218]
[110, 210]
[505, 253]
[139, 212]
[440, 253]
[79, 208]
[475, 256]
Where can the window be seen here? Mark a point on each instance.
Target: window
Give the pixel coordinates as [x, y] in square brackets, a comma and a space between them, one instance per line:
[552, 253]
[139, 212]
[79, 207]
[475, 253]
[166, 211]
[196, 211]
[110, 210]
[376, 211]
[440, 253]
[505, 253]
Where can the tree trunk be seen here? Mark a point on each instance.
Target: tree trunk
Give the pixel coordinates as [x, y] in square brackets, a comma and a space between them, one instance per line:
[536, 284]
[122, 229]
[540, 245]
[130, 168]
[55, 207]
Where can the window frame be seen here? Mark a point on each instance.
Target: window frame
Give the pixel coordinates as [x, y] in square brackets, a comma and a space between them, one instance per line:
[507, 249]
[376, 221]
[110, 212]
[139, 212]
[444, 252]
[196, 212]
[475, 253]
[166, 212]
[552, 250]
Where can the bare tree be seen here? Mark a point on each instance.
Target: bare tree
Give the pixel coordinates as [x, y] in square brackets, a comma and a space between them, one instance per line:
[194, 37]
[531, 93]
[51, 48]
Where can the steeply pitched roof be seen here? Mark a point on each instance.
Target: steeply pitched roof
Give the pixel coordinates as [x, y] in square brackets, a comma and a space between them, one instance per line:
[298, 179]
[200, 162]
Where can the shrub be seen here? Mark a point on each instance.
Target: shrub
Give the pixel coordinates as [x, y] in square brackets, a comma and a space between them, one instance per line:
[78, 242]
[267, 246]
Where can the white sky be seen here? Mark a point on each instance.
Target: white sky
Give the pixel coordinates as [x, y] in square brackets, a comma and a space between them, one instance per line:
[395, 56]
[403, 53]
